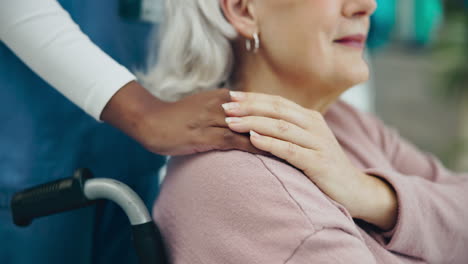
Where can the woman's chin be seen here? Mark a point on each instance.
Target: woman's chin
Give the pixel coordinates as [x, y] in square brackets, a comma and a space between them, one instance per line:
[347, 83]
[356, 76]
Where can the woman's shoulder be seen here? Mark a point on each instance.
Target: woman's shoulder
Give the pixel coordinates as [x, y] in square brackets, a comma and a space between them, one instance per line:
[234, 179]
[231, 170]
[236, 207]
[219, 167]
[219, 171]
[211, 162]
[214, 172]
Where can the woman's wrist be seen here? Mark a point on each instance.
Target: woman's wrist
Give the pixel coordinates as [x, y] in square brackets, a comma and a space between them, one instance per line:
[379, 204]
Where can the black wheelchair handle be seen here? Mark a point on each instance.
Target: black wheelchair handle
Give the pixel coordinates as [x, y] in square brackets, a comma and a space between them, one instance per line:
[81, 191]
[148, 244]
[50, 198]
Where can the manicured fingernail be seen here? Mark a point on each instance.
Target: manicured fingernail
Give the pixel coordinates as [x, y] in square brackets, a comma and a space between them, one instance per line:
[255, 134]
[231, 106]
[233, 120]
[237, 95]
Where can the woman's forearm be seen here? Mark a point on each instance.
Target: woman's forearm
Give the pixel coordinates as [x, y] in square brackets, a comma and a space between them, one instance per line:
[378, 203]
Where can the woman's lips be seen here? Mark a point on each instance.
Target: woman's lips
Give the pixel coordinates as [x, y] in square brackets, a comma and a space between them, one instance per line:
[354, 41]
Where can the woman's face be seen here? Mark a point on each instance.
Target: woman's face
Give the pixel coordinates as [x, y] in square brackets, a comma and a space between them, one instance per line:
[315, 40]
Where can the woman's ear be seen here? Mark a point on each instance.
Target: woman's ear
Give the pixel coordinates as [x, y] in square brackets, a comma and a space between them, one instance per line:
[241, 15]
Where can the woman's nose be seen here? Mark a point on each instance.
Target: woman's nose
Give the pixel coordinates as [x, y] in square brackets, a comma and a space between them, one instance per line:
[359, 8]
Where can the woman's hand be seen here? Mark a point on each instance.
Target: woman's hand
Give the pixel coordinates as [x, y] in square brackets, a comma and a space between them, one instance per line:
[302, 137]
[193, 124]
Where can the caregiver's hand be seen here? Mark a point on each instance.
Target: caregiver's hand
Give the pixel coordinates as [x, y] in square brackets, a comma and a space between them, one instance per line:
[194, 124]
[302, 137]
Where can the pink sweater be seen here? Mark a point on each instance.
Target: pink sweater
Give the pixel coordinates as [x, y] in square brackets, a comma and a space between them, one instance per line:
[239, 208]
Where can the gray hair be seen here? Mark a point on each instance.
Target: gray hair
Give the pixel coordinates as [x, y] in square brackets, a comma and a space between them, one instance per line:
[195, 52]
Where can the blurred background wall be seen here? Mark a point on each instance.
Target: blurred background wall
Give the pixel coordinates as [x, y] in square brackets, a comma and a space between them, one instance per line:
[418, 51]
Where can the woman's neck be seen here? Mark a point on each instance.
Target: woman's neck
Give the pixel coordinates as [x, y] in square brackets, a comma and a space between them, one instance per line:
[254, 75]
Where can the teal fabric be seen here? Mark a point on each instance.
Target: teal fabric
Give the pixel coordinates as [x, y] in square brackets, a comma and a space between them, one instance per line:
[426, 18]
[44, 137]
[382, 24]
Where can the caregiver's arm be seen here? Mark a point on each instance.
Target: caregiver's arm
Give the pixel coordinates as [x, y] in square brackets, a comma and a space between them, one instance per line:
[193, 124]
[43, 35]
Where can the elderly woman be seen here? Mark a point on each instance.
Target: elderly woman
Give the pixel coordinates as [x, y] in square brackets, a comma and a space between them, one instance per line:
[345, 189]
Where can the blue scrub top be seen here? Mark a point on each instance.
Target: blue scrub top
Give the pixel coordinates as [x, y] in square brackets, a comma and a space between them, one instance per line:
[43, 136]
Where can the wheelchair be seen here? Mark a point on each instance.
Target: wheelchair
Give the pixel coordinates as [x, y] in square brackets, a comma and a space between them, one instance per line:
[83, 190]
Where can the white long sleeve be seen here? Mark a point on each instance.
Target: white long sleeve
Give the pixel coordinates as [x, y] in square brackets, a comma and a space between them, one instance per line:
[43, 35]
